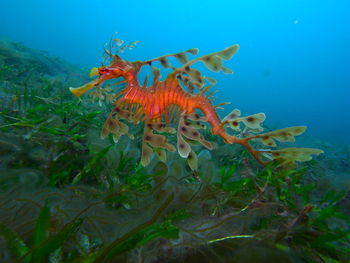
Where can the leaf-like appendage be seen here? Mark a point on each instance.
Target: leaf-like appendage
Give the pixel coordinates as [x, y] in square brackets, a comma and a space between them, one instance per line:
[155, 142]
[190, 132]
[193, 51]
[161, 154]
[181, 57]
[183, 147]
[161, 127]
[196, 117]
[232, 115]
[146, 154]
[123, 114]
[282, 135]
[187, 133]
[226, 70]
[211, 80]
[164, 62]
[212, 62]
[291, 155]
[129, 46]
[252, 121]
[118, 41]
[192, 161]
[196, 75]
[228, 52]
[115, 126]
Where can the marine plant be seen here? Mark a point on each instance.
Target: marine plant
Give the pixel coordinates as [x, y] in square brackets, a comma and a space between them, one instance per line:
[272, 214]
[164, 102]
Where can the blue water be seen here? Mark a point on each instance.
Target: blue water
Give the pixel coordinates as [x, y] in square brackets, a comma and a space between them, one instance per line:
[293, 63]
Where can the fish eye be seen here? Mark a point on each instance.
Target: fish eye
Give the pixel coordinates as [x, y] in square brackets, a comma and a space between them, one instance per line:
[103, 71]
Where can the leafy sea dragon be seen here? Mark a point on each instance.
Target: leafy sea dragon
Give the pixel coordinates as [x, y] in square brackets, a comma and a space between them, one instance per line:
[183, 98]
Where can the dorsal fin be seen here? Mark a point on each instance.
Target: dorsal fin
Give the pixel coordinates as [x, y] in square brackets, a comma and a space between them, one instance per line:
[212, 61]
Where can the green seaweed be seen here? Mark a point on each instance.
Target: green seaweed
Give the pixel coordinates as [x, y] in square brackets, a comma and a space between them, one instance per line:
[14, 242]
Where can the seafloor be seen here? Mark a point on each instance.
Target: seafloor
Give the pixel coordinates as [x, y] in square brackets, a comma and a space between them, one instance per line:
[68, 196]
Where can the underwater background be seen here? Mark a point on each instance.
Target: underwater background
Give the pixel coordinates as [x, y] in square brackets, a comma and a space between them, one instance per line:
[68, 196]
[292, 65]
